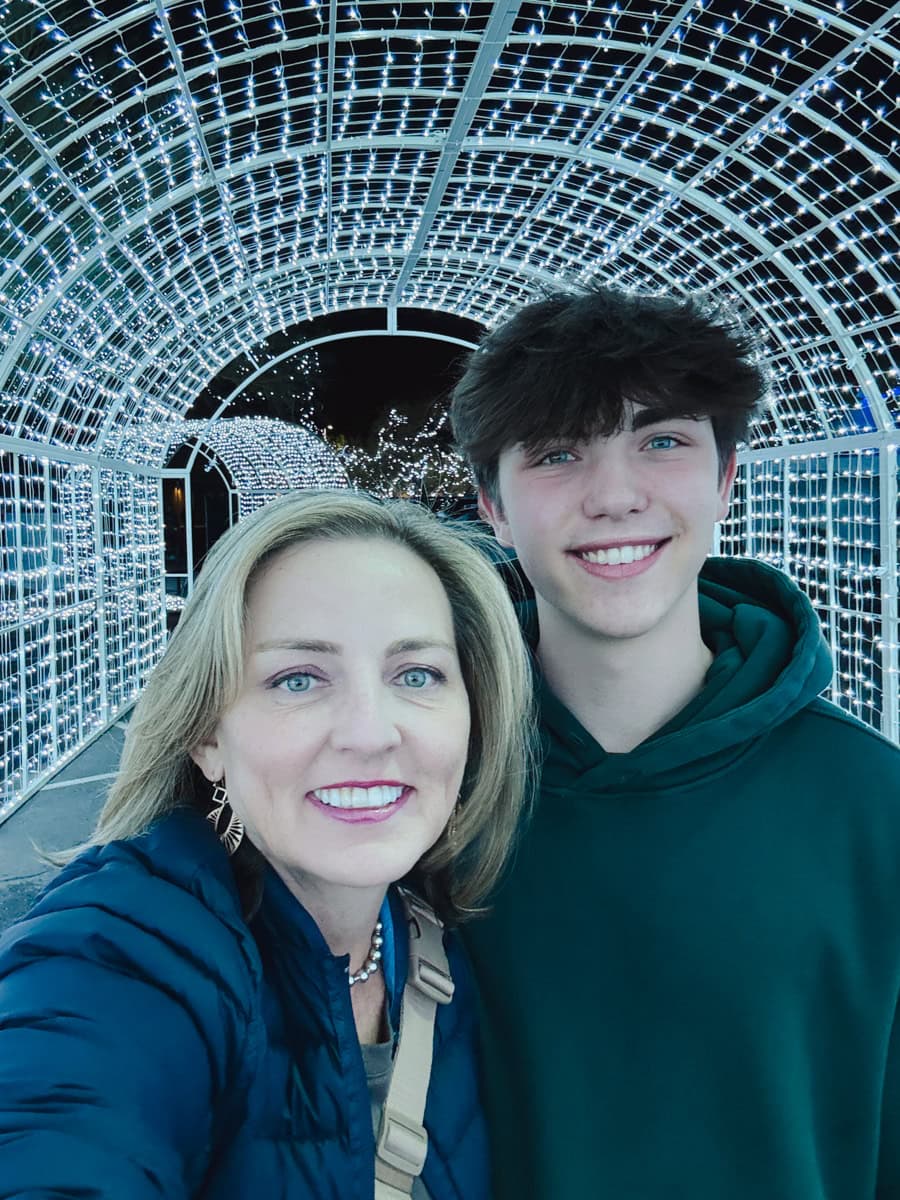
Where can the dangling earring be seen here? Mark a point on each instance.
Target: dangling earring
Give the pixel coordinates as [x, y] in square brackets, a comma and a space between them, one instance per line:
[233, 832]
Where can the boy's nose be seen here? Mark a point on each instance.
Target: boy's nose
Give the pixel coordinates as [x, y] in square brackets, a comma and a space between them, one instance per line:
[613, 489]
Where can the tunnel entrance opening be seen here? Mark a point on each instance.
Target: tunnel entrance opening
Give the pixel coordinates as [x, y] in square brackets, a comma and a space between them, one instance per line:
[198, 506]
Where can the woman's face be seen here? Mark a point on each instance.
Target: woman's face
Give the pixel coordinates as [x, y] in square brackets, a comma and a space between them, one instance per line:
[344, 752]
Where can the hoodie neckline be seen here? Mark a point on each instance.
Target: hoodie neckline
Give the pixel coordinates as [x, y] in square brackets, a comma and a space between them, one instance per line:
[770, 661]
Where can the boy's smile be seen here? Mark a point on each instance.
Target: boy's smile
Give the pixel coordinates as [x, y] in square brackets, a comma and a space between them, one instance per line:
[619, 560]
[612, 532]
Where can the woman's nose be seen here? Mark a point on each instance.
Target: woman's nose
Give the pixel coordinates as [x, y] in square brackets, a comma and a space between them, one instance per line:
[366, 721]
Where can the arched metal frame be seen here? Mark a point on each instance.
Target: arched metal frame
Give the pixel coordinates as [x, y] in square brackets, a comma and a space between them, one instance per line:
[177, 586]
[390, 330]
[257, 459]
[262, 457]
[180, 180]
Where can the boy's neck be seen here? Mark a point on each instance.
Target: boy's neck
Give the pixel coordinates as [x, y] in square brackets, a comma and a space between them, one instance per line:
[623, 690]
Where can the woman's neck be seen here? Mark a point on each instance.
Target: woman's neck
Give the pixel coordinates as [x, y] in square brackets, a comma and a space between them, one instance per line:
[346, 918]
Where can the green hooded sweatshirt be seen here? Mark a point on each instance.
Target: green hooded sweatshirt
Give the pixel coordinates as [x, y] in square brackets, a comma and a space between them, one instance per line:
[690, 974]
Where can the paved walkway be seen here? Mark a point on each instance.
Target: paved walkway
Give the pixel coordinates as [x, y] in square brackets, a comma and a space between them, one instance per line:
[61, 814]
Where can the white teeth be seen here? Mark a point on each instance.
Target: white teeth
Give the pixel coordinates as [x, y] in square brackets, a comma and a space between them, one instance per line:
[359, 797]
[619, 554]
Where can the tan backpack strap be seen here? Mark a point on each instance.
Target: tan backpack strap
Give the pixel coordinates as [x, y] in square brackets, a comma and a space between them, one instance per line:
[402, 1142]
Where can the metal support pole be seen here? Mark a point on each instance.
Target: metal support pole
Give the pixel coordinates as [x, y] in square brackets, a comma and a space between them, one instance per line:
[161, 531]
[786, 516]
[78, 680]
[189, 531]
[20, 601]
[748, 512]
[832, 586]
[100, 596]
[51, 616]
[890, 683]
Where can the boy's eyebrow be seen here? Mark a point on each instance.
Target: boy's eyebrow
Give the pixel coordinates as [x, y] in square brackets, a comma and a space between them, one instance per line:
[640, 418]
[656, 416]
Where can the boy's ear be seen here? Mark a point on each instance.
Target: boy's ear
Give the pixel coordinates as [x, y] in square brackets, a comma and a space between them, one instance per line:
[208, 758]
[726, 483]
[491, 511]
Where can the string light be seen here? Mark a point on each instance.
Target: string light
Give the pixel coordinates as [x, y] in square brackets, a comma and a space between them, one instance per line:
[81, 623]
[817, 516]
[265, 458]
[417, 465]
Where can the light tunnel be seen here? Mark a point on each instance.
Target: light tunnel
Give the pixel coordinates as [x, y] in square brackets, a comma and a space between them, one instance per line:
[179, 181]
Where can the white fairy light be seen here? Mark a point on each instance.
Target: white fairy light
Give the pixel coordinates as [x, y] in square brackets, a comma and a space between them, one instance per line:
[264, 457]
[817, 516]
[409, 465]
[80, 617]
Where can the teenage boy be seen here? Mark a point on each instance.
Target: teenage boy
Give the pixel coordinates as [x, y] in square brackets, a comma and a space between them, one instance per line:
[690, 976]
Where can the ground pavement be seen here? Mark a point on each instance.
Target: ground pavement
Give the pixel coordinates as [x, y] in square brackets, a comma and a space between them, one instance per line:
[61, 814]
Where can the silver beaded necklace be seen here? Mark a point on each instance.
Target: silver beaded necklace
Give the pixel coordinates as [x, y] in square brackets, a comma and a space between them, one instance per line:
[370, 966]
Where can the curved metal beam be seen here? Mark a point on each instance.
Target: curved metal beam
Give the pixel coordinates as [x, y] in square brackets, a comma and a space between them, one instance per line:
[499, 26]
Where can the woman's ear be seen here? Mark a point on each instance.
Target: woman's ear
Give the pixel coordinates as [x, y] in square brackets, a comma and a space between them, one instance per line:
[208, 758]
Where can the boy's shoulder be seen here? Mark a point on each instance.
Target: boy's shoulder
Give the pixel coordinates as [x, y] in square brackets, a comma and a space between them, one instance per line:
[842, 733]
[826, 750]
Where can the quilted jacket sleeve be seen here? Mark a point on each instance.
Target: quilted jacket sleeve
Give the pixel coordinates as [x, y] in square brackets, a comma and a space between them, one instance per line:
[122, 1006]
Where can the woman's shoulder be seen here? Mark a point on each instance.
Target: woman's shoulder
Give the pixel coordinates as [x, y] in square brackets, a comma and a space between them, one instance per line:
[131, 1026]
[164, 901]
[458, 1017]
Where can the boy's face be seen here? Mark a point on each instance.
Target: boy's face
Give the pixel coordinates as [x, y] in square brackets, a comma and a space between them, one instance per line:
[612, 532]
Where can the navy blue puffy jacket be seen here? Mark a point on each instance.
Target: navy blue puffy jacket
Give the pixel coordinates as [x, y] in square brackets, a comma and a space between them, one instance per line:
[152, 1044]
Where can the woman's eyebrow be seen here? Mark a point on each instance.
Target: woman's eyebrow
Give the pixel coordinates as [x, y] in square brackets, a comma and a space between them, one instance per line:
[411, 645]
[402, 646]
[312, 647]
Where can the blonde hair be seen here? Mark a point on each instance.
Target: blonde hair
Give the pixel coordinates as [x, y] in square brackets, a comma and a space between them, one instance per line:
[199, 676]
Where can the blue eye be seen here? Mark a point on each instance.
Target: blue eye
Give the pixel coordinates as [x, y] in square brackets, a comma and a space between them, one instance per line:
[419, 677]
[554, 457]
[663, 441]
[299, 681]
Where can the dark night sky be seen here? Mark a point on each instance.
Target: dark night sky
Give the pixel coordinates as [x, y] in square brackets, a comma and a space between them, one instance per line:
[364, 378]
[355, 381]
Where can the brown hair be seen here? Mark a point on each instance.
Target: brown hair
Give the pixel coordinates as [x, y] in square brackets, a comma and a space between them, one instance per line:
[199, 676]
[564, 368]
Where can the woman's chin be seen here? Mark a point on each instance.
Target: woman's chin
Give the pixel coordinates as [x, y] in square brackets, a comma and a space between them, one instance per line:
[367, 871]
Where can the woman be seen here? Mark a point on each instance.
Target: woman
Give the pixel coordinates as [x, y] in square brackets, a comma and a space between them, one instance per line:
[344, 703]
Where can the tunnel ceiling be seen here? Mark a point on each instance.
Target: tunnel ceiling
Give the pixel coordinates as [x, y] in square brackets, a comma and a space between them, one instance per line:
[180, 180]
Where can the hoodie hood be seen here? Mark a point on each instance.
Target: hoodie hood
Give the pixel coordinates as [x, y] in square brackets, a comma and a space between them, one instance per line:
[770, 661]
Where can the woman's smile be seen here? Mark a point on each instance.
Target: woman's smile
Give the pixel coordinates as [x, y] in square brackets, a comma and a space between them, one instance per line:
[360, 802]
